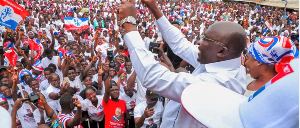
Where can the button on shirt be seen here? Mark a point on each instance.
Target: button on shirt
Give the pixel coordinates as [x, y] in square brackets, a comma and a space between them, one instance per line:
[230, 74]
[96, 113]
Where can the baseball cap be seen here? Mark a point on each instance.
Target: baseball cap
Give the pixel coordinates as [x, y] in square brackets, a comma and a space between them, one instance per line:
[151, 95]
[2, 67]
[276, 104]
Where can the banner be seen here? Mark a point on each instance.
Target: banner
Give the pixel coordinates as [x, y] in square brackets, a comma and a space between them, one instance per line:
[37, 46]
[72, 23]
[269, 26]
[11, 56]
[11, 14]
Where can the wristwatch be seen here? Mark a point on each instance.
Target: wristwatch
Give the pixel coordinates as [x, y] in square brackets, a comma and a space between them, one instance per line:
[128, 19]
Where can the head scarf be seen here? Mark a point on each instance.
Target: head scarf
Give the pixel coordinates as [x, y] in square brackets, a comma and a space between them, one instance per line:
[38, 65]
[276, 50]
[23, 73]
[2, 99]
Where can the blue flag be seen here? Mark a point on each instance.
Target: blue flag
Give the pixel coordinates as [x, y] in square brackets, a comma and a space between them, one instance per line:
[285, 0]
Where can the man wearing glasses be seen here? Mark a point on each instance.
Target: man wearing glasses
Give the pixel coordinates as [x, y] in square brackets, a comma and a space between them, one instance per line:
[217, 59]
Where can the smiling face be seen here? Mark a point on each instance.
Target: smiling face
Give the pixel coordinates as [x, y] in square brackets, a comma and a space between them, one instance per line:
[34, 85]
[253, 66]
[91, 95]
[54, 80]
[5, 91]
[88, 81]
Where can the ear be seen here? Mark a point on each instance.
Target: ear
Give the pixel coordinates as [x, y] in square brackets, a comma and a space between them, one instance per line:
[222, 53]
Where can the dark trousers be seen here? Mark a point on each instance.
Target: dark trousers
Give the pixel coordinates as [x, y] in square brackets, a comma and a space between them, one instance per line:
[131, 122]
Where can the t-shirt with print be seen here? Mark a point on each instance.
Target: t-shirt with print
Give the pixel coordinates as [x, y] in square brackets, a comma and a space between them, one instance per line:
[27, 116]
[158, 110]
[128, 99]
[64, 118]
[96, 113]
[77, 84]
[114, 113]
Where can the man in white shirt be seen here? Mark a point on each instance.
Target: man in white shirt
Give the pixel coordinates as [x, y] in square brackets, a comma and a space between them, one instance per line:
[151, 109]
[217, 60]
[55, 91]
[129, 96]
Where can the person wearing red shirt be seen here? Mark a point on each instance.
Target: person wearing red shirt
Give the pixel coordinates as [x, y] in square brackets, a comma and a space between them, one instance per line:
[114, 108]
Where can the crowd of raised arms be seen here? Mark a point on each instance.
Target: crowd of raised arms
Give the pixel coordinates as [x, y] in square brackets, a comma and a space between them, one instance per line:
[86, 79]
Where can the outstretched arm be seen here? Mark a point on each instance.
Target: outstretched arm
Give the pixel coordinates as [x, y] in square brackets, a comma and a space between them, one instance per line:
[173, 36]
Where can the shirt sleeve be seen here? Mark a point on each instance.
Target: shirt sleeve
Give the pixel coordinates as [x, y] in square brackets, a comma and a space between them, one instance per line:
[151, 74]
[177, 42]
[84, 105]
[138, 111]
[37, 115]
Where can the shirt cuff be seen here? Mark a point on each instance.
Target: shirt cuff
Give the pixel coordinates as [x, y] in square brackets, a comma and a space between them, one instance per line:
[133, 40]
[163, 24]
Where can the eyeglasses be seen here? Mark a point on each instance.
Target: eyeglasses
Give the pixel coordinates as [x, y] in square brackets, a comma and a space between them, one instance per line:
[203, 37]
[111, 70]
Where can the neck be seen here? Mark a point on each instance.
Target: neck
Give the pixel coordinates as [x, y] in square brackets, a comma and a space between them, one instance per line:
[128, 72]
[66, 111]
[267, 76]
[115, 99]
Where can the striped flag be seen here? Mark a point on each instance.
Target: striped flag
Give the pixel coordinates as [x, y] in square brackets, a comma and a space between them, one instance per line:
[11, 14]
[72, 23]
[11, 56]
[34, 44]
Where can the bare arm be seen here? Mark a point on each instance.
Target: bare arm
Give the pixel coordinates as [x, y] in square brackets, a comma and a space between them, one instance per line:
[107, 90]
[77, 118]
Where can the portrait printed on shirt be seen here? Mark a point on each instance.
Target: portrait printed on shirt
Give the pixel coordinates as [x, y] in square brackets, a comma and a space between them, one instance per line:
[29, 117]
[118, 117]
[151, 124]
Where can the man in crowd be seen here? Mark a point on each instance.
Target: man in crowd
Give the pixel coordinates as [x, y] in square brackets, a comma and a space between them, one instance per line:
[221, 48]
[206, 35]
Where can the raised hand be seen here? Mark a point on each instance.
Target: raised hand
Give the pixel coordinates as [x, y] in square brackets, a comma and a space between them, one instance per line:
[18, 104]
[101, 71]
[64, 88]
[76, 102]
[127, 8]
[148, 112]
[95, 58]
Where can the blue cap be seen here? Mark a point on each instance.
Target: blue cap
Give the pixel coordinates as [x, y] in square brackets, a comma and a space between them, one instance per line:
[55, 33]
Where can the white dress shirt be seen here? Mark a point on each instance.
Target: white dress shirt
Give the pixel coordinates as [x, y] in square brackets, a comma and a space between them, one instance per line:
[230, 74]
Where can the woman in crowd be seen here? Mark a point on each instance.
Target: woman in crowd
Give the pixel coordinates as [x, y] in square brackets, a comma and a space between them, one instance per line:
[92, 103]
[265, 58]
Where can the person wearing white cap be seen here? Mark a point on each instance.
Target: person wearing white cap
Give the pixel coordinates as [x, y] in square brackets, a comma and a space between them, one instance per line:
[216, 60]
[275, 105]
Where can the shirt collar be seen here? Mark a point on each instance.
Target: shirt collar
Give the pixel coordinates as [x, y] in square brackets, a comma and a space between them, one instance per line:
[223, 65]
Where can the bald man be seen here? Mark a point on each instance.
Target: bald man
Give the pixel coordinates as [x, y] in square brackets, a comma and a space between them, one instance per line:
[216, 60]
[55, 91]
